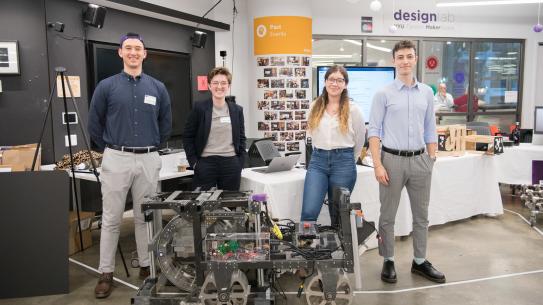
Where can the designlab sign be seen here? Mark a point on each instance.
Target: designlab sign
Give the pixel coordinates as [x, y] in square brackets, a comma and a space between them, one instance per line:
[427, 19]
[282, 35]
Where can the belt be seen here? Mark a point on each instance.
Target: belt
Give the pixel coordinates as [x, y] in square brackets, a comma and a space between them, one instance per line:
[403, 153]
[136, 150]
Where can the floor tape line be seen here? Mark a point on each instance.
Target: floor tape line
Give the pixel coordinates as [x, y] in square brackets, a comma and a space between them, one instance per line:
[96, 270]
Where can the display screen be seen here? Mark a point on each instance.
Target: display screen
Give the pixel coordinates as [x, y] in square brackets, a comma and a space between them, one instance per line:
[171, 68]
[538, 120]
[363, 83]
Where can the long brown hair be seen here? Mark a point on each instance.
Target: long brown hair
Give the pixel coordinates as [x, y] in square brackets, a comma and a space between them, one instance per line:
[320, 103]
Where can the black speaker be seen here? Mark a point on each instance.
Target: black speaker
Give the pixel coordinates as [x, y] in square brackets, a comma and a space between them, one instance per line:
[199, 39]
[95, 16]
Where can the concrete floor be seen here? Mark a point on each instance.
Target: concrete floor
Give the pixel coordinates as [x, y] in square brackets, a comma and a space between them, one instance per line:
[486, 260]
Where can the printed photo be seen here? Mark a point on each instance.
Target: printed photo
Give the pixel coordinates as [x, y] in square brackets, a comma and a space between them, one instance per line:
[278, 83]
[263, 83]
[277, 126]
[285, 115]
[299, 72]
[299, 115]
[293, 60]
[270, 115]
[303, 125]
[305, 61]
[263, 105]
[272, 135]
[304, 83]
[304, 104]
[277, 105]
[285, 72]
[293, 146]
[293, 125]
[280, 146]
[270, 72]
[277, 61]
[263, 126]
[286, 94]
[286, 136]
[263, 61]
[300, 94]
[293, 83]
[270, 94]
[299, 135]
[293, 105]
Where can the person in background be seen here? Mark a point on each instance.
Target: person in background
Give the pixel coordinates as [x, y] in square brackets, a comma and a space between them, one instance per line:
[337, 129]
[461, 102]
[443, 101]
[403, 142]
[214, 137]
[130, 116]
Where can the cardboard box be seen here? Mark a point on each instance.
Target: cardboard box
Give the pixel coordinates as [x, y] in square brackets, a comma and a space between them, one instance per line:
[74, 245]
[489, 145]
[20, 157]
[450, 140]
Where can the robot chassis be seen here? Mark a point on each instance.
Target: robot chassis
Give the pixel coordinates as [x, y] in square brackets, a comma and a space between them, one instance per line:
[532, 196]
[240, 262]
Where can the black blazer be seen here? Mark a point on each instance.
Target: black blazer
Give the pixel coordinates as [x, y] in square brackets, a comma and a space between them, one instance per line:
[198, 127]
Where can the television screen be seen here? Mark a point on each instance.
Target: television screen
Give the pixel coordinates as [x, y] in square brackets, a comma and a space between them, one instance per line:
[363, 83]
[171, 68]
[538, 120]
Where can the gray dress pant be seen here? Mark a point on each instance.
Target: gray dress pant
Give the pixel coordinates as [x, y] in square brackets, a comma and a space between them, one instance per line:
[415, 173]
[122, 171]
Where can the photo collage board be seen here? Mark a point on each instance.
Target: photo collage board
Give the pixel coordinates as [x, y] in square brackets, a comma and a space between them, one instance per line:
[283, 93]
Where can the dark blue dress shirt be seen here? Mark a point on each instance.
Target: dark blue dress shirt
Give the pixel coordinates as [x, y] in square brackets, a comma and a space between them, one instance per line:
[130, 111]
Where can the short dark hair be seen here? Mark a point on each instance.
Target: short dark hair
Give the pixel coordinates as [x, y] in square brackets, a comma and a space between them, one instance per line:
[219, 70]
[130, 35]
[404, 44]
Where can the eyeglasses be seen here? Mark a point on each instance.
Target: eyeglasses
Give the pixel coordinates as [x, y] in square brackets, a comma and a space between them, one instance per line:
[219, 83]
[339, 81]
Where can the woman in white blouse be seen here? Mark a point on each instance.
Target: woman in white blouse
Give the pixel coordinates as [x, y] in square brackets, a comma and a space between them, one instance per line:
[337, 130]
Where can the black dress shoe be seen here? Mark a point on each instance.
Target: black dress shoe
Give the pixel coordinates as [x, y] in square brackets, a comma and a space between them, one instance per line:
[428, 271]
[388, 274]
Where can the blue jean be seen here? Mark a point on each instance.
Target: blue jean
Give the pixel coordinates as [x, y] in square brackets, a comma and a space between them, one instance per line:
[327, 168]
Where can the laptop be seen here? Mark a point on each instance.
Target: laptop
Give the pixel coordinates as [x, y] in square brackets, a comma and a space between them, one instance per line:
[279, 164]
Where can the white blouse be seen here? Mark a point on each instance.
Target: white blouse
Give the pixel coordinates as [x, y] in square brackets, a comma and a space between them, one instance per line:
[328, 135]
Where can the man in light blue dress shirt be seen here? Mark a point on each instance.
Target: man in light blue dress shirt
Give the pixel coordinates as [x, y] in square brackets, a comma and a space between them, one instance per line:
[402, 137]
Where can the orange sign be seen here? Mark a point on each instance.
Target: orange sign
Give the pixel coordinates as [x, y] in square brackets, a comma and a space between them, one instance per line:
[282, 35]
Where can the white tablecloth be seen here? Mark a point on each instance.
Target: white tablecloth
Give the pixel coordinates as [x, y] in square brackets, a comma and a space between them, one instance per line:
[461, 187]
[514, 166]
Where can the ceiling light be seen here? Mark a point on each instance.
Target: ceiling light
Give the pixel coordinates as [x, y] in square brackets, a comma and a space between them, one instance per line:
[322, 56]
[371, 46]
[356, 42]
[484, 3]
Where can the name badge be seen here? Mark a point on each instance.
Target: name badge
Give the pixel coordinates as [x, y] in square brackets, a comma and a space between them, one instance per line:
[225, 119]
[149, 99]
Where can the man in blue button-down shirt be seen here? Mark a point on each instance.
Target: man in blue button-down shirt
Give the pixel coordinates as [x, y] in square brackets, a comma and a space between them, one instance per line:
[402, 120]
[129, 117]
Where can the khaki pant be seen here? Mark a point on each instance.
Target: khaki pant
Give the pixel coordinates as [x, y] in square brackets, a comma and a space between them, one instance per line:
[122, 171]
[415, 174]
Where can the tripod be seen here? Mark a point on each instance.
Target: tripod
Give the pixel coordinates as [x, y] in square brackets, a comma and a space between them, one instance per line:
[60, 72]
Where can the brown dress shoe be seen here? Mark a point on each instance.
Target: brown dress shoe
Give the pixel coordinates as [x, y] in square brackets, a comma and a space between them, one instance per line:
[105, 286]
[144, 272]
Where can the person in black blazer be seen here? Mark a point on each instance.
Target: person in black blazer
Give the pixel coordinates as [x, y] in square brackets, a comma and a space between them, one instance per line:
[214, 137]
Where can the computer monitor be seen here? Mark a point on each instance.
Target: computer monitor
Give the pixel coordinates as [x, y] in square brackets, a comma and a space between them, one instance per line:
[363, 83]
[537, 138]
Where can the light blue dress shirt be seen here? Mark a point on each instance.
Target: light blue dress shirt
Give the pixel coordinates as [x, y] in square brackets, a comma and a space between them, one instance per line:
[403, 116]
